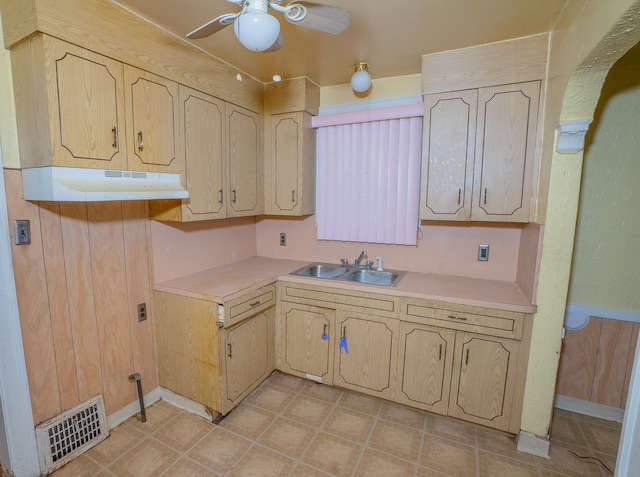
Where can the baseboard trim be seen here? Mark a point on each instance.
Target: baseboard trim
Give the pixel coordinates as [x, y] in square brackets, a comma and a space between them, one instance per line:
[133, 408]
[185, 403]
[533, 444]
[588, 408]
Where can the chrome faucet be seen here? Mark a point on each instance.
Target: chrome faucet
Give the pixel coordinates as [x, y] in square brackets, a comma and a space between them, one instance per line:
[360, 257]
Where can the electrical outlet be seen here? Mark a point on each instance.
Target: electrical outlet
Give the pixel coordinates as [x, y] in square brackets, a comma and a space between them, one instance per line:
[22, 232]
[283, 239]
[142, 311]
[483, 253]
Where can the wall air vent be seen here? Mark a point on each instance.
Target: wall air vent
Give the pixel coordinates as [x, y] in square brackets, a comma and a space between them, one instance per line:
[75, 431]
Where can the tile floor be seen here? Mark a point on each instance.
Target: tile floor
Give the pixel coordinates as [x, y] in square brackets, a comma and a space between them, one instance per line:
[293, 427]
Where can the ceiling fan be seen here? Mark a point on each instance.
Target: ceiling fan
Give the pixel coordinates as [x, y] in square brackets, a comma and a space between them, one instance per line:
[259, 31]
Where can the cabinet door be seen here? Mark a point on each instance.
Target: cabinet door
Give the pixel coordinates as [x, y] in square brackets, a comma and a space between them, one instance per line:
[290, 178]
[307, 335]
[505, 150]
[483, 379]
[424, 368]
[203, 121]
[88, 128]
[245, 172]
[448, 153]
[152, 119]
[247, 359]
[366, 354]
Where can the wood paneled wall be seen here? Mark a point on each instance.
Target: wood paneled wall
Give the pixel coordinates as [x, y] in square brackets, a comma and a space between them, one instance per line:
[79, 283]
[596, 362]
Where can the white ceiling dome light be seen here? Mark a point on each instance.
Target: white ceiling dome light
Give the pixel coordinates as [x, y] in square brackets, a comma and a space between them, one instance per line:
[258, 31]
[361, 79]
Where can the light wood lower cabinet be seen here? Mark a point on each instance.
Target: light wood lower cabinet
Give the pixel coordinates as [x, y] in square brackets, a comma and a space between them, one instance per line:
[465, 362]
[483, 381]
[216, 367]
[307, 334]
[425, 364]
[366, 354]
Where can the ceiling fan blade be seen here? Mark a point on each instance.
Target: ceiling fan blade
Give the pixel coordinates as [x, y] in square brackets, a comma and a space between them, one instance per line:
[325, 18]
[213, 26]
[277, 45]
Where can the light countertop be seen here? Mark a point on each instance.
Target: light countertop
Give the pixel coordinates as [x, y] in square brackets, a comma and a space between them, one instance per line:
[223, 283]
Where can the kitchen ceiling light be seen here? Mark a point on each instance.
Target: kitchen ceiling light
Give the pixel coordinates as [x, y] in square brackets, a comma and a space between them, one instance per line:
[361, 79]
[257, 31]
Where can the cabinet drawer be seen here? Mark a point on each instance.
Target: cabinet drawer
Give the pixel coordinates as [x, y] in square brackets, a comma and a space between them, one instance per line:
[500, 323]
[383, 305]
[248, 305]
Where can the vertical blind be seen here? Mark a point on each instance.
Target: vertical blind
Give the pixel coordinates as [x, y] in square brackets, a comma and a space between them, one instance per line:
[368, 175]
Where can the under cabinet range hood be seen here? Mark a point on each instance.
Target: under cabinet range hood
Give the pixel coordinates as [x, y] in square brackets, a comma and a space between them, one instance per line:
[73, 184]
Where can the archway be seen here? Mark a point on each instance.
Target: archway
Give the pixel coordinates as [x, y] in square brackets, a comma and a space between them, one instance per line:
[588, 39]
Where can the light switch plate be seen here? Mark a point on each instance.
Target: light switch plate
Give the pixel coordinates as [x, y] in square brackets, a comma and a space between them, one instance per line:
[22, 232]
[483, 253]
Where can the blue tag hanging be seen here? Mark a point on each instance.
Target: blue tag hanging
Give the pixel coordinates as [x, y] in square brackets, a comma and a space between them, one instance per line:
[343, 344]
[325, 336]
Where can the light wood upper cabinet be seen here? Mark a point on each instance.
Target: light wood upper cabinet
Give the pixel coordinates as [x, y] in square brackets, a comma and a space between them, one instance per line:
[425, 363]
[69, 106]
[505, 152]
[290, 145]
[244, 140]
[152, 119]
[448, 151]
[479, 150]
[91, 111]
[223, 161]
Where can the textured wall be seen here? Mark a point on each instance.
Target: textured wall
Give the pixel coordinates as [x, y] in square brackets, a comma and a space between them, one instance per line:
[606, 262]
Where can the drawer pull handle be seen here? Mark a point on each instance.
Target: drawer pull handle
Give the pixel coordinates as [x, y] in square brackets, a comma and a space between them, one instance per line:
[234, 196]
[255, 303]
[461, 318]
[140, 142]
[485, 196]
[229, 353]
[440, 353]
[459, 194]
[221, 197]
[293, 196]
[466, 361]
[114, 132]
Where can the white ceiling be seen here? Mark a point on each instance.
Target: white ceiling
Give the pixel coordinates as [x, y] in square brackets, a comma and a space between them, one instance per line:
[391, 36]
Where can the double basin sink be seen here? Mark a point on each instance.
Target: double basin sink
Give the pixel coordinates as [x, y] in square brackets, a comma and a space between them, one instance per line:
[351, 273]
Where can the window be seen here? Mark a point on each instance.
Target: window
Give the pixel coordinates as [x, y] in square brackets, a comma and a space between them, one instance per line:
[368, 175]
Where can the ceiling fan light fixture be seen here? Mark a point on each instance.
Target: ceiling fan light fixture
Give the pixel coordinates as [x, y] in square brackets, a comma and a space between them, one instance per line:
[361, 79]
[256, 31]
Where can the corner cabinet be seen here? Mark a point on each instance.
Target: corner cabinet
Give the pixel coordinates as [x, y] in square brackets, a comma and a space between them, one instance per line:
[290, 145]
[223, 165]
[87, 110]
[479, 149]
[215, 354]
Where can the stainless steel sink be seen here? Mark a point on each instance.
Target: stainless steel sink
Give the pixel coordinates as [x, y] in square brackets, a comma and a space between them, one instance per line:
[375, 277]
[351, 273]
[321, 270]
